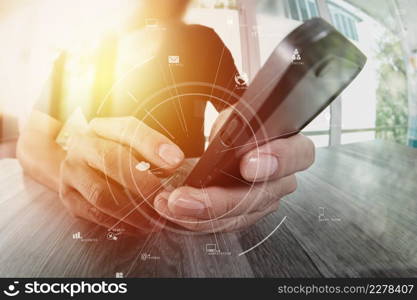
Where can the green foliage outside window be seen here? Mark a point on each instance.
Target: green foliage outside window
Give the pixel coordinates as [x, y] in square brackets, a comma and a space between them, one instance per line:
[392, 99]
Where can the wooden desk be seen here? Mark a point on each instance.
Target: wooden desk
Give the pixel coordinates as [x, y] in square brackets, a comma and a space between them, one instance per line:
[367, 191]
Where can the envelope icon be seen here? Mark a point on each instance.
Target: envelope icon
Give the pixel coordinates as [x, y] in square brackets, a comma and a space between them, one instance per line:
[173, 59]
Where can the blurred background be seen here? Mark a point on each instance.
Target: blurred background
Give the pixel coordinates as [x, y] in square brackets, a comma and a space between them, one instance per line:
[380, 104]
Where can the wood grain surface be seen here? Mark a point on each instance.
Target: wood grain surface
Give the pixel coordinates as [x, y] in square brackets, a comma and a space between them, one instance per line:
[367, 191]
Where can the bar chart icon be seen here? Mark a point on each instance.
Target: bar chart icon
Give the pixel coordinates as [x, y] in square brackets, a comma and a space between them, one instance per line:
[77, 236]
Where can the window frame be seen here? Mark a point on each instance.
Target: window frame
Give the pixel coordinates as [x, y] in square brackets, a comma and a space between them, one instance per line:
[296, 4]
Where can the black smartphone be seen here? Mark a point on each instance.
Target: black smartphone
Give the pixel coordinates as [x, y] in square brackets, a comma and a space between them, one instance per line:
[304, 74]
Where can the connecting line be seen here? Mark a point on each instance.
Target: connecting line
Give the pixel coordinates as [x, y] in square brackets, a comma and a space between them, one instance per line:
[120, 171]
[230, 93]
[143, 247]
[132, 97]
[144, 200]
[270, 194]
[120, 80]
[267, 237]
[214, 215]
[5, 200]
[264, 89]
[257, 95]
[107, 181]
[211, 220]
[217, 73]
[159, 123]
[130, 169]
[153, 118]
[171, 94]
[109, 217]
[179, 103]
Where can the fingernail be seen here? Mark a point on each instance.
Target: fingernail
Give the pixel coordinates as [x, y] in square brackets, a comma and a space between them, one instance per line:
[186, 206]
[158, 201]
[171, 154]
[260, 168]
[162, 196]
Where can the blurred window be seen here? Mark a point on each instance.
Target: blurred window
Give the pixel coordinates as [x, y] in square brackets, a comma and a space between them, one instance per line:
[302, 9]
[344, 20]
[375, 105]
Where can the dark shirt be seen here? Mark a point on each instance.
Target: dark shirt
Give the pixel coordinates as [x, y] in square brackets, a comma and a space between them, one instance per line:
[169, 97]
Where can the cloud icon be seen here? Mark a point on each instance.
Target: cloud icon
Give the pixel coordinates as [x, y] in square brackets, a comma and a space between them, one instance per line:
[143, 166]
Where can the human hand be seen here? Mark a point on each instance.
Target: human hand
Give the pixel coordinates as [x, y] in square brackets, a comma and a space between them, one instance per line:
[99, 180]
[269, 174]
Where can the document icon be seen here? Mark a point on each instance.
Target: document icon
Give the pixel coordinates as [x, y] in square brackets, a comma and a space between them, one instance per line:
[173, 59]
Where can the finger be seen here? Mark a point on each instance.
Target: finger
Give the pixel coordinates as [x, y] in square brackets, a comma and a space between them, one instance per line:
[79, 207]
[111, 199]
[227, 224]
[277, 159]
[219, 202]
[115, 161]
[152, 145]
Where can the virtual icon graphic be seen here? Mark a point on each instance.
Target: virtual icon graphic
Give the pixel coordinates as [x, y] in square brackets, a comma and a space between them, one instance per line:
[143, 166]
[324, 218]
[212, 248]
[77, 236]
[112, 236]
[11, 290]
[296, 55]
[173, 59]
[148, 256]
[241, 79]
